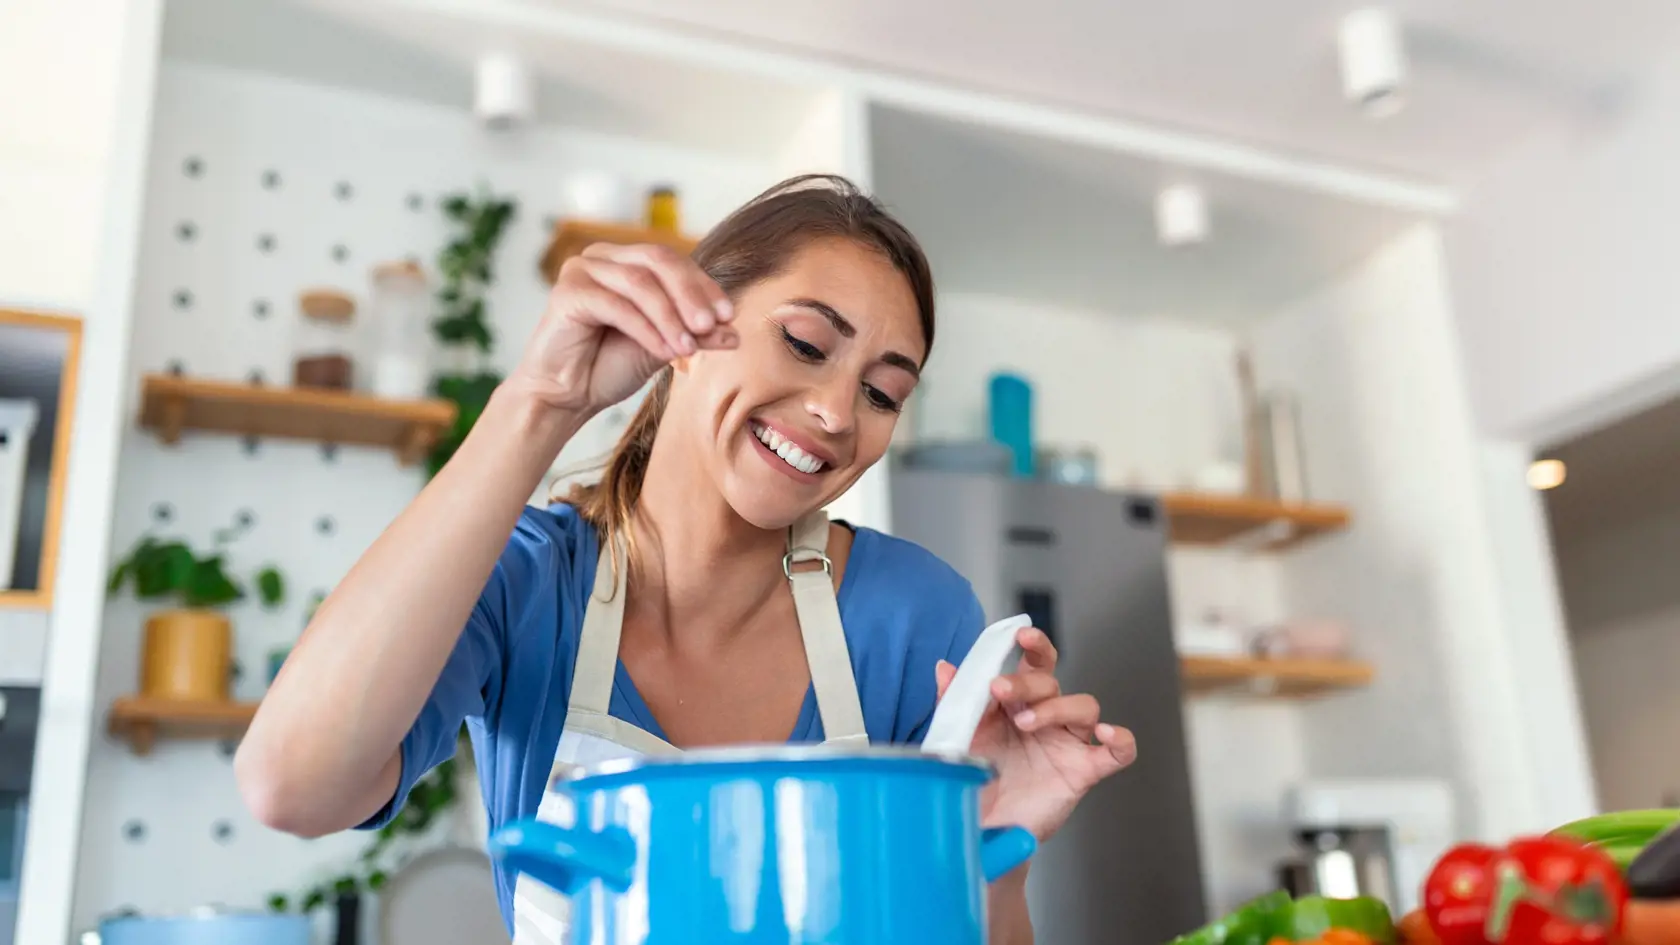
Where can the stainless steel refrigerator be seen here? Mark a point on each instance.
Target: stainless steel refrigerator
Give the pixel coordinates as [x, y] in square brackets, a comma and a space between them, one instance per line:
[1090, 567]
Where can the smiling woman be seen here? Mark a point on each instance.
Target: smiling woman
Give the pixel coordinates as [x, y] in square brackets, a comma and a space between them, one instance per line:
[697, 595]
[796, 257]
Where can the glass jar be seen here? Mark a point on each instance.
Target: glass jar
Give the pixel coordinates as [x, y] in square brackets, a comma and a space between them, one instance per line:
[662, 211]
[325, 341]
[401, 307]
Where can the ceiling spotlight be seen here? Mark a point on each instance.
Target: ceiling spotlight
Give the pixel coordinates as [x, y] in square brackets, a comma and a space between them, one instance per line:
[505, 92]
[1373, 62]
[1181, 216]
[1546, 474]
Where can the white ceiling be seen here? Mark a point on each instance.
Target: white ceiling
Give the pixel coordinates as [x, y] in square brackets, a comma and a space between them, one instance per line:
[426, 53]
[1075, 222]
[1261, 71]
[1074, 227]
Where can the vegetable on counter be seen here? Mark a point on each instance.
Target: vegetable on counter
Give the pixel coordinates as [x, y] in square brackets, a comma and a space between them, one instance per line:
[1654, 872]
[1650, 922]
[1610, 879]
[1552, 889]
[1276, 919]
[1414, 929]
[1623, 834]
[1312, 918]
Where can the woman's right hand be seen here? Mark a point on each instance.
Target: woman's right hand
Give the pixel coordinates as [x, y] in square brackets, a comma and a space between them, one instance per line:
[616, 315]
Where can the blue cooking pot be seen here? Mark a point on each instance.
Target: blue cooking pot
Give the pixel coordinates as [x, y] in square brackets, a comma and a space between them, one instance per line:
[785, 844]
[208, 926]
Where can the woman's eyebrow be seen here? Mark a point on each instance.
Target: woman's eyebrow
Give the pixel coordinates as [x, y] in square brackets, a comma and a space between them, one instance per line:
[847, 330]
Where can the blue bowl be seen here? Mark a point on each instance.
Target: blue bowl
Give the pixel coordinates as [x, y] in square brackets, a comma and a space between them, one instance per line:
[784, 844]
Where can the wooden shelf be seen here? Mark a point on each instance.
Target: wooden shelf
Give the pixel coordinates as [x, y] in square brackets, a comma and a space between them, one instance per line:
[1279, 677]
[1264, 524]
[170, 405]
[571, 236]
[142, 720]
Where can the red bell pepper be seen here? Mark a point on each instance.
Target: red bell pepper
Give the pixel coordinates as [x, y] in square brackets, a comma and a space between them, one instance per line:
[1547, 890]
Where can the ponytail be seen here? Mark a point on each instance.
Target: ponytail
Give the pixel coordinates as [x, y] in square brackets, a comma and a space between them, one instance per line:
[608, 503]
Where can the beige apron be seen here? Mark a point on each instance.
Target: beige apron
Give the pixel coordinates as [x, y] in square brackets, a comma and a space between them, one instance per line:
[591, 736]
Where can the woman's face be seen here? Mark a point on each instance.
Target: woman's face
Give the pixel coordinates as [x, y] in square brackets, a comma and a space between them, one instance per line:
[830, 350]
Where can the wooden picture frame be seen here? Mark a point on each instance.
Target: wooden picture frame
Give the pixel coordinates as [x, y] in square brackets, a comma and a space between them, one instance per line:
[39, 351]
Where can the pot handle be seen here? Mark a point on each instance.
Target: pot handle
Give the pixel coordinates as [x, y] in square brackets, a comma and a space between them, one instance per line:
[1004, 848]
[566, 858]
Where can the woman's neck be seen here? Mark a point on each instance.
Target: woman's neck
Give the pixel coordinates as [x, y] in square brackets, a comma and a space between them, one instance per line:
[699, 564]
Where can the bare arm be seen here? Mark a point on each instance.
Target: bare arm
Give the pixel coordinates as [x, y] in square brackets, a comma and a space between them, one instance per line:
[323, 754]
[1010, 923]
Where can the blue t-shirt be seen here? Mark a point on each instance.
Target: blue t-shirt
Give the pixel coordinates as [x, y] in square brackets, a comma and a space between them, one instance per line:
[510, 674]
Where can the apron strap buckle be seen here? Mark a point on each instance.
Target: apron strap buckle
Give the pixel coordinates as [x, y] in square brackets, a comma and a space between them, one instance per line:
[802, 555]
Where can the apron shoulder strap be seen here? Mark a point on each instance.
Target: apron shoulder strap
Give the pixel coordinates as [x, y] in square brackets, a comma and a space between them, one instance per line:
[603, 621]
[819, 625]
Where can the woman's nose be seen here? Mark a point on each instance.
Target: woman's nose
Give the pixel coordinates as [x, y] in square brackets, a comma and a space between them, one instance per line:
[833, 406]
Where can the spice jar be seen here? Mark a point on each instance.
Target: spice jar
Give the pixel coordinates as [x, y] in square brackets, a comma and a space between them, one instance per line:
[662, 211]
[326, 338]
[402, 357]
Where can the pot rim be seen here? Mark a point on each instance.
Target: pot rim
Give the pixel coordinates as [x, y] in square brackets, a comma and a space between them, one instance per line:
[749, 754]
[210, 912]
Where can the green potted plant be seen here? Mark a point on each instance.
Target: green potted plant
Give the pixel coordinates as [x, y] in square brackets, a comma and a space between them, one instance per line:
[188, 650]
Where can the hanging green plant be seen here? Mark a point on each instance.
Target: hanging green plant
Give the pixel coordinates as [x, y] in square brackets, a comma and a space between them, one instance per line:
[467, 267]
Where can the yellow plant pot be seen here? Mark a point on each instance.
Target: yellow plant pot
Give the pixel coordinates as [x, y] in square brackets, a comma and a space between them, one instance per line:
[187, 656]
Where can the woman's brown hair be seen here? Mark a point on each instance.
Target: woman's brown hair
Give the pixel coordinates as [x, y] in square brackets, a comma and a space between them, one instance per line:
[754, 243]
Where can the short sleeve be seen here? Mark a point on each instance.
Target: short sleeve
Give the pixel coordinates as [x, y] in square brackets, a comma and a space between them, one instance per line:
[471, 683]
[966, 628]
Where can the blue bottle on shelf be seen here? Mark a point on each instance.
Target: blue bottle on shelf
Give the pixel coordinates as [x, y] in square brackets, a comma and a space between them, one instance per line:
[1009, 405]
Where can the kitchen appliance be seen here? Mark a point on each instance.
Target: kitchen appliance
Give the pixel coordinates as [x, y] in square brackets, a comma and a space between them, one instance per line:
[1089, 567]
[1397, 826]
[207, 926]
[1342, 863]
[791, 844]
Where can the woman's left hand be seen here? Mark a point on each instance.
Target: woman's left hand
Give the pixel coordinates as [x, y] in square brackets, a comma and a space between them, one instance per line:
[1048, 748]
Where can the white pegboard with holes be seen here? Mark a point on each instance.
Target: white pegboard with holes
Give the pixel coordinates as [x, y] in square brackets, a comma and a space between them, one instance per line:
[258, 189]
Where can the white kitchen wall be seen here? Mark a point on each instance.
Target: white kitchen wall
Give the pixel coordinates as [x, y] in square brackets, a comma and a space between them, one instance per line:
[1155, 397]
[1562, 270]
[1388, 428]
[56, 149]
[332, 183]
[1624, 619]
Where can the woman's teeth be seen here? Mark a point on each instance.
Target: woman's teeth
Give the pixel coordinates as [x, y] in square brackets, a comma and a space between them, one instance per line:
[790, 454]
